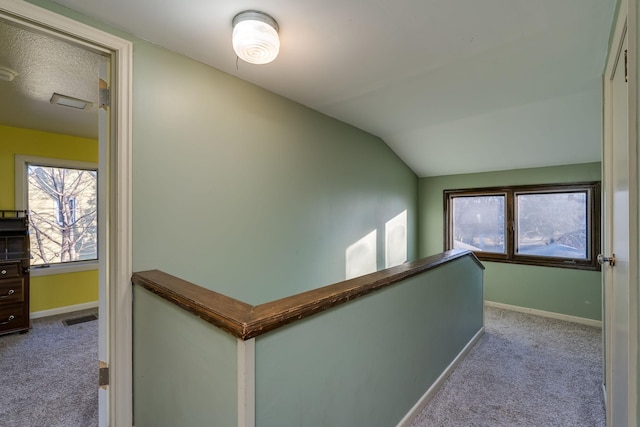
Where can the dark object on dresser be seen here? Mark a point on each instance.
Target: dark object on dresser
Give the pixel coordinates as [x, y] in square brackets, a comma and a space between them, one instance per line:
[14, 272]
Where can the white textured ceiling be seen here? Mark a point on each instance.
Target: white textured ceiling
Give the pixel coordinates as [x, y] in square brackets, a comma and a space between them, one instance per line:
[45, 65]
[452, 86]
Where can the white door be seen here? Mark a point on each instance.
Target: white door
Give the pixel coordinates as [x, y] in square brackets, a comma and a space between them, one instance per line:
[103, 280]
[620, 232]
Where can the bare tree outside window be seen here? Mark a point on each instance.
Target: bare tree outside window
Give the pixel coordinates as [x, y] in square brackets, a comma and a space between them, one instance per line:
[63, 207]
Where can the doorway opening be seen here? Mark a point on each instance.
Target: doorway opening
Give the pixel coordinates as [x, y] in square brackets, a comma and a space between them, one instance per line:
[113, 133]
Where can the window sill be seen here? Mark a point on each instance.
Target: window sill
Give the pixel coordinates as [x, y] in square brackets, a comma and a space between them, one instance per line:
[537, 262]
[37, 271]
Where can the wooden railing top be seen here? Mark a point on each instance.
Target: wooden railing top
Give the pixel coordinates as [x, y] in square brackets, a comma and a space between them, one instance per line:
[246, 321]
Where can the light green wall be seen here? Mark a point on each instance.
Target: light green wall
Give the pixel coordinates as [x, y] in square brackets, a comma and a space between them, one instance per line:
[247, 193]
[185, 368]
[637, 284]
[559, 290]
[366, 363]
[243, 191]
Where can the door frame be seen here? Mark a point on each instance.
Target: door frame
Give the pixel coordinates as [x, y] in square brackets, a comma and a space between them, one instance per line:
[626, 22]
[119, 265]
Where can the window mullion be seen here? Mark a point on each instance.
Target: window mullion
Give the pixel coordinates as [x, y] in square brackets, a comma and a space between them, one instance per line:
[510, 225]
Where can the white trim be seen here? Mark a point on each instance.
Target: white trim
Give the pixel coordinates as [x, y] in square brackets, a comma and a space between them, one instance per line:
[247, 383]
[424, 400]
[634, 186]
[63, 310]
[615, 50]
[120, 238]
[626, 22]
[549, 314]
[119, 232]
[49, 23]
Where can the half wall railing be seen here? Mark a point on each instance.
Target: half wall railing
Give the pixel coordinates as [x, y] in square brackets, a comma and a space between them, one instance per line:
[366, 351]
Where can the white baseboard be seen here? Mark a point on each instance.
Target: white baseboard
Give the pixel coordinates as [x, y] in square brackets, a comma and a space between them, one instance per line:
[550, 314]
[424, 400]
[63, 310]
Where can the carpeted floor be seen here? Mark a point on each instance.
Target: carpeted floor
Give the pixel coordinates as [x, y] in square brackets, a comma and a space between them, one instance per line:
[525, 371]
[49, 376]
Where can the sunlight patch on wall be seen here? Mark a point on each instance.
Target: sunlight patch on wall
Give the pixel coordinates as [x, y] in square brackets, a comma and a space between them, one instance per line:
[396, 240]
[361, 256]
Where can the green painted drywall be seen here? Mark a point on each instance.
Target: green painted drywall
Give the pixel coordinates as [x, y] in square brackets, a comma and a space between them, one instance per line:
[637, 283]
[366, 363]
[247, 193]
[637, 161]
[565, 291]
[185, 368]
[558, 290]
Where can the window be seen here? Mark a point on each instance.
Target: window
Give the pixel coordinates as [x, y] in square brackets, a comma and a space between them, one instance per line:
[62, 201]
[551, 225]
[479, 222]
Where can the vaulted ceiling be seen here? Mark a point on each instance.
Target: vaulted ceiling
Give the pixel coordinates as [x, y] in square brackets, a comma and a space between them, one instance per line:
[451, 86]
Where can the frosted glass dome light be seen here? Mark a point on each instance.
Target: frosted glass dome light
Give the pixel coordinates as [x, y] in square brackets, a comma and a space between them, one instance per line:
[255, 37]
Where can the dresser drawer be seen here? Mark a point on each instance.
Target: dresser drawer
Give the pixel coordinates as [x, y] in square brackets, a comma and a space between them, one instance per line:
[11, 290]
[9, 270]
[13, 317]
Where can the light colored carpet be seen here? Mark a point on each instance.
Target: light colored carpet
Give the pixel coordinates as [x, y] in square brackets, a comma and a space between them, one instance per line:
[525, 371]
[49, 376]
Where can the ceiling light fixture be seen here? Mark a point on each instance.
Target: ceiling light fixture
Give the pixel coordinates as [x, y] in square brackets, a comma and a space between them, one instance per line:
[68, 101]
[7, 74]
[255, 37]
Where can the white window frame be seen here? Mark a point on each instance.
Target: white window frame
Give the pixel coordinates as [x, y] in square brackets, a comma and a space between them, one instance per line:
[21, 197]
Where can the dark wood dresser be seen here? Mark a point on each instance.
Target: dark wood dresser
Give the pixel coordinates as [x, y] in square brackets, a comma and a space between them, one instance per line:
[14, 272]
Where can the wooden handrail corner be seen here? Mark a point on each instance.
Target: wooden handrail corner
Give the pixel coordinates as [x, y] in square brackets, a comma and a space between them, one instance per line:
[246, 321]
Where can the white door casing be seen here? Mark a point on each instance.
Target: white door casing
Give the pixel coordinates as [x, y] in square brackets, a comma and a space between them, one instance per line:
[117, 271]
[620, 203]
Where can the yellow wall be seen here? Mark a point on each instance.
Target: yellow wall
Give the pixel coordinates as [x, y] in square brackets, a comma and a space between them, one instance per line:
[59, 290]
